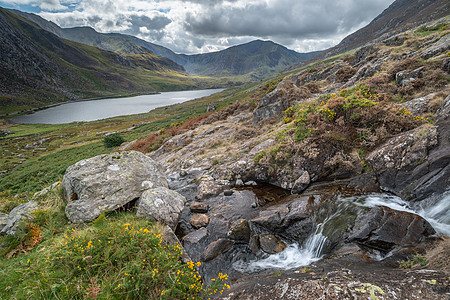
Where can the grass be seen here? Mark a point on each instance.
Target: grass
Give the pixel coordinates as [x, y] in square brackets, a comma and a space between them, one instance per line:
[117, 256]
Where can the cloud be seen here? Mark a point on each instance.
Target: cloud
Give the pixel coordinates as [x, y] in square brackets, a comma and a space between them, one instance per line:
[196, 26]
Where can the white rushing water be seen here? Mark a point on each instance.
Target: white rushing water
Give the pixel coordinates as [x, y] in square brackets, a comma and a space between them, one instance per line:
[435, 210]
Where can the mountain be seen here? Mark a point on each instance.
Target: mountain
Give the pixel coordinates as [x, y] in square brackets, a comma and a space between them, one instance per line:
[398, 17]
[260, 58]
[36, 62]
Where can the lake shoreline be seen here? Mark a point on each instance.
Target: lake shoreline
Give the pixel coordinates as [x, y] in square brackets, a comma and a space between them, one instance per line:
[12, 119]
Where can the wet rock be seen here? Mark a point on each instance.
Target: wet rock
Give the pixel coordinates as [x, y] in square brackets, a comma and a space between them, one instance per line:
[302, 182]
[404, 77]
[195, 237]
[443, 44]
[269, 243]
[384, 229]
[240, 231]
[227, 192]
[209, 187]
[199, 220]
[107, 182]
[366, 183]
[215, 249]
[198, 207]
[162, 205]
[18, 217]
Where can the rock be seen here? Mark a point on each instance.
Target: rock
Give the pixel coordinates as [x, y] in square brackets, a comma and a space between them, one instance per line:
[198, 207]
[107, 182]
[161, 205]
[270, 105]
[366, 183]
[404, 77]
[417, 106]
[215, 249]
[384, 229]
[251, 183]
[443, 44]
[239, 231]
[269, 243]
[199, 220]
[209, 187]
[363, 53]
[301, 183]
[239, 182]
[170, 238]
[47, 189]
[403, 160]
[195, 237]
[17, 217]
[446, 65]
[3, 218]
[227, 192]
[395, 41]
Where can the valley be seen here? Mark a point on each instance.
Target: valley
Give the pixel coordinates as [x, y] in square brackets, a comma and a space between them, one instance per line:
[328, 180]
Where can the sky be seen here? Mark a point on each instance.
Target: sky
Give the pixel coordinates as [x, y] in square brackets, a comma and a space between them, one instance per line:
[201, 26]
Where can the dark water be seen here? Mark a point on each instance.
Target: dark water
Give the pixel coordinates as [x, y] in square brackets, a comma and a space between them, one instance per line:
[107, 108]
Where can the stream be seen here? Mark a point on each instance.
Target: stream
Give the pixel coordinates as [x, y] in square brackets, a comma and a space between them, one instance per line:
[436, 210]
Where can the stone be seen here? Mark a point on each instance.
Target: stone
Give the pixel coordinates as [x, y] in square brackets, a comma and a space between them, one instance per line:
[47, 189]
[384, 229]
[208, 187]
[239, 231]
[170, 238]
[215, 249]
[404, 77]
[443, 44]
[3, 218]
[302, 182]
[107, 182]
[251, 183]
[227, 192]
[17, 217]
[199, 220]
[417, 106]
[269, 243]
[198, 207]
[162, 205]
[446, 65]
[239, 182]
[195, 237]
[395, 41]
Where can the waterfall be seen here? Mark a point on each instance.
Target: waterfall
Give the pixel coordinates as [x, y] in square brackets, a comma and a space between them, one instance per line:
[436, 210]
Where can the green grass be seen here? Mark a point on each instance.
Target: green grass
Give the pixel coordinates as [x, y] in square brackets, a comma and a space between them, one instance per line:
[117, 256]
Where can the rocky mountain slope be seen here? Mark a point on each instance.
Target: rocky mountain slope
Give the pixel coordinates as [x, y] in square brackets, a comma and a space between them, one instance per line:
[261, 58]
[401, 15]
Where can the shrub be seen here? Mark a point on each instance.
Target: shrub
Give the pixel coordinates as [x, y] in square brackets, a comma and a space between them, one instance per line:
[113, 140]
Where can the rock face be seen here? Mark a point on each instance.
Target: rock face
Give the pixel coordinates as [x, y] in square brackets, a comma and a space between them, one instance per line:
[162, 205]
[443, 44]
[403, 159]
[384, 229]
[17, 216]
[107, 182]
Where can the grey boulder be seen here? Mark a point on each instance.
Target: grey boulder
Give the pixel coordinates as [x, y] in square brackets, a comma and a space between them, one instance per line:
[17, 217]
[162, 205]
[107, 182]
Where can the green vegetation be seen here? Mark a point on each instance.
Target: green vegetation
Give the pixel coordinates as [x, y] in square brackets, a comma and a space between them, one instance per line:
[427, 30]
[113, 140]
[117, 256]
[416, 260]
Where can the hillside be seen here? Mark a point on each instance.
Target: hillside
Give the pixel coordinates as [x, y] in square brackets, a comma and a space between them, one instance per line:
[259, 58]
[398, 17]
[36, 62]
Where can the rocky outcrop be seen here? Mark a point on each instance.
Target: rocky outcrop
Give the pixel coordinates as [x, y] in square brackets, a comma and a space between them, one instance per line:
[107, 182]
[17, 218]
[161, 205]
[404, 77]
[3, 218]
[443, 44]
[403, 159]
[384, 230]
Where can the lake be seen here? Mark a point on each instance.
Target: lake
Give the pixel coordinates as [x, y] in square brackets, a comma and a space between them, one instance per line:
[92, 110]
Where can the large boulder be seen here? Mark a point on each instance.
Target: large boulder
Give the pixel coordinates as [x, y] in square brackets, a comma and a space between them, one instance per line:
[17, 217]
[384, 229]
[3, 218]
[162, 205]
[107, 182]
